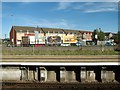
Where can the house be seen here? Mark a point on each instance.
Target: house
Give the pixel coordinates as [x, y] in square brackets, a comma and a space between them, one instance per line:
[37, 35]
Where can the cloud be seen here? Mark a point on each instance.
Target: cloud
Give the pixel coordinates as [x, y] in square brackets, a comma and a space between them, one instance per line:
[100, 10]
[61, 23]
[60, 0]
[89, 7]
[102, 7]
[91, 0]
[64, 5]
[19, 0]
[56, 24]
[0, 11]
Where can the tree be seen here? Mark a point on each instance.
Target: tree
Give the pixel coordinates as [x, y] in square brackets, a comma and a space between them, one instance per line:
[94, 36]
[101, 35]
[117, 38]
[98, 34]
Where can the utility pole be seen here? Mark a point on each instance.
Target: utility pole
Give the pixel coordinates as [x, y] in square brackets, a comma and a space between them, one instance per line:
[5, 36]
[12, 33]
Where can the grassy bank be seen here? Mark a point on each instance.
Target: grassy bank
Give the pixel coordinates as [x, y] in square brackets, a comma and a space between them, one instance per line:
[58, 52]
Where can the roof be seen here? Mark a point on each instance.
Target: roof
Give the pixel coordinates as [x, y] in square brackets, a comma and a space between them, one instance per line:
[45, 30]
[24, 28]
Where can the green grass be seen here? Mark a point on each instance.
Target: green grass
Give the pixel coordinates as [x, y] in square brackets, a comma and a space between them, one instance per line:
[59, 52]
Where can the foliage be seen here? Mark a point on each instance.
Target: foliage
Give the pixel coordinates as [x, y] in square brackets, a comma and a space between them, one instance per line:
[100, 34]
[117, 38]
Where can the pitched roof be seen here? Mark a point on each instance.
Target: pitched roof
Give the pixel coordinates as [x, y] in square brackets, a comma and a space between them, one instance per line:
[24, 28]
[45, 30]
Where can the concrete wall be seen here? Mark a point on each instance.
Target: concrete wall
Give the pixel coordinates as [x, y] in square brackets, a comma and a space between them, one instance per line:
[65, 74]
[83, 74]
[51, 76]
[36, 73]
[43, 74]
[87, 75]
[24, 73]
[70, 76]
[110, 76]
[107, 76]
[11, 73]
[31, 75]
[90, 76]
[62, 74]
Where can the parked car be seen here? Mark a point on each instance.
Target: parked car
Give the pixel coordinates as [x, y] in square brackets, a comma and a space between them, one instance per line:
[109, 44]
[78, 44]
[65, 45]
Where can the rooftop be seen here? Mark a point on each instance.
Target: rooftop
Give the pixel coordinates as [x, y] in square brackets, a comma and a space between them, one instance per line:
[45, 30]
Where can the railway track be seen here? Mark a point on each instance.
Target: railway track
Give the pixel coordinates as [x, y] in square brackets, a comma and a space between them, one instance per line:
[60, 60]
[54, 58]
[60, 86]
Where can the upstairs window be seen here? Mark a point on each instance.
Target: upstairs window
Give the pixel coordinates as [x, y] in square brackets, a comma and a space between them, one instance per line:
[70, 33]
[27, 31]
[20, 31]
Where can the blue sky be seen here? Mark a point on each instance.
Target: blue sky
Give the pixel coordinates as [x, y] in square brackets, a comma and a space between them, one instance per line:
[67, 15]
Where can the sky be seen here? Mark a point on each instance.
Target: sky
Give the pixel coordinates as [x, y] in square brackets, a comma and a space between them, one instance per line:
[66, 15]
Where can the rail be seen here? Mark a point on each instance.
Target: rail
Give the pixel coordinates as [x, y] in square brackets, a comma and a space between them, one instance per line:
[62, 86]
[61, 59]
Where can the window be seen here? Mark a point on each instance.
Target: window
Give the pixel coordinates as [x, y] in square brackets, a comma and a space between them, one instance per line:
[61, 32]
[48, 32]
[56, 32]
[20, 31]
[71, 33]
[40, 32]
[27, 31]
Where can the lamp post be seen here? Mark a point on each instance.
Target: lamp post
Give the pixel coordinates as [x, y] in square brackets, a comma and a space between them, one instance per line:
[5, 36]
[12, 33]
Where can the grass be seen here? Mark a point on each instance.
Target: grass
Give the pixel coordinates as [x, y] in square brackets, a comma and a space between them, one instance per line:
[57, 52]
